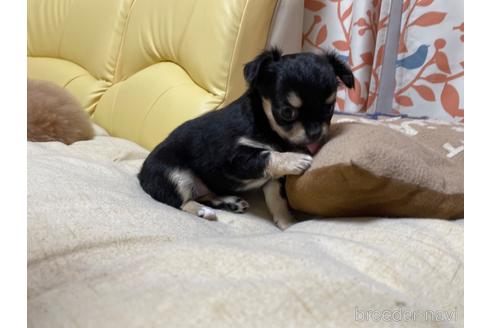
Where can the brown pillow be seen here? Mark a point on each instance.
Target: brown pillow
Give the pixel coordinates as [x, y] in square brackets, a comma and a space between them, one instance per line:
[391, 167]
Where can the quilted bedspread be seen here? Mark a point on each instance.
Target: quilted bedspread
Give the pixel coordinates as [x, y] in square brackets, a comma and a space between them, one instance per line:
[102, 253]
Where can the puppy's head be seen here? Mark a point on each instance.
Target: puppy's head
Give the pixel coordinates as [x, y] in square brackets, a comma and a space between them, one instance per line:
[298, 93]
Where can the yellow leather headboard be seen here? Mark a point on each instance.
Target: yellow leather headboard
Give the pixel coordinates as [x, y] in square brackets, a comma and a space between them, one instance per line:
[142, 67]
[75, 43]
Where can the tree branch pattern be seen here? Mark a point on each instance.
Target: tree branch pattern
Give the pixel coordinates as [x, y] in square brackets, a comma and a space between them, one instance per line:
[426, 23]
[426, 74]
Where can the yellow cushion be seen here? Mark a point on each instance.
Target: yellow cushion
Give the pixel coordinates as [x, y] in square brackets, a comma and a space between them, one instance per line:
[149, 104]
[86, 88]
[85, 32]
[145, 66]
[210, 39]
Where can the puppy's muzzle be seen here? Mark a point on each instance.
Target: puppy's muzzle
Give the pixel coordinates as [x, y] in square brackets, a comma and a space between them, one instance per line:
[317, 135]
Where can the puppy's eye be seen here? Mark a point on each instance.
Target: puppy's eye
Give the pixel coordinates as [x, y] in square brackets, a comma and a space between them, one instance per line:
[288, 114]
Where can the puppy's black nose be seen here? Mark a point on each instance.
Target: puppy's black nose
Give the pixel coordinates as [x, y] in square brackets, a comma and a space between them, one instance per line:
[313, 131]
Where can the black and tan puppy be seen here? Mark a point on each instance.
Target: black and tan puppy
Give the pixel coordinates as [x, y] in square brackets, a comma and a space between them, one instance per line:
[264, 135]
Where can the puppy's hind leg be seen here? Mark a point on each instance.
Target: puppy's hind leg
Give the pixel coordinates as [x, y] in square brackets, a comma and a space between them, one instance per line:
[176, 188]
[199, 210]
[189, 187]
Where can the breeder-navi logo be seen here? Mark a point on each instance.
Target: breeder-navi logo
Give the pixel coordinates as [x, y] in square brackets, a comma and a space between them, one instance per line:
[404, 315]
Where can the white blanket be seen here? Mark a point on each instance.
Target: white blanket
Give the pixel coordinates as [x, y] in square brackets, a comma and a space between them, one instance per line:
[102, 253]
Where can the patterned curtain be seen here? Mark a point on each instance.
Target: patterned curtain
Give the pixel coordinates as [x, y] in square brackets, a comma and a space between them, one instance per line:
[430, 65]
[426, 73]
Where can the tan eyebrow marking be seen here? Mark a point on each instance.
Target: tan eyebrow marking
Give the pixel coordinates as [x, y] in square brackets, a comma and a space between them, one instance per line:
[294, 99]
[331, 98]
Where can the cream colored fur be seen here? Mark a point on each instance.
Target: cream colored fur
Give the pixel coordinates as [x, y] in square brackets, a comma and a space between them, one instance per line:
[53, 114]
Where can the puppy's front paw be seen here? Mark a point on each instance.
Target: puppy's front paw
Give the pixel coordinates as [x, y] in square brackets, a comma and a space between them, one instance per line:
[288, 163]
[283, 222]
[298, 163]
[232, 203]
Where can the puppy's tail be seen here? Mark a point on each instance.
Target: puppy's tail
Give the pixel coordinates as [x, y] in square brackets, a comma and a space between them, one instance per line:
[162, 183]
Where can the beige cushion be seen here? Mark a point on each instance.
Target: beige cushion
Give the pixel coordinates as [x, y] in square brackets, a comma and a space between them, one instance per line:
[391, 167]
[102, 253]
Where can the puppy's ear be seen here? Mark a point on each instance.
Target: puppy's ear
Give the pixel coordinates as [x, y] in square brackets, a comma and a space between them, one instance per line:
[342, 70]
[255, 70]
